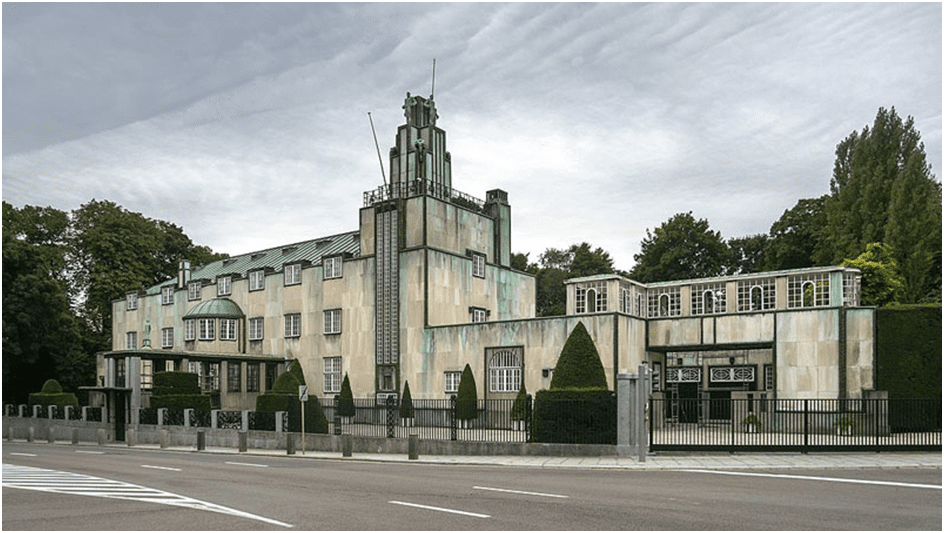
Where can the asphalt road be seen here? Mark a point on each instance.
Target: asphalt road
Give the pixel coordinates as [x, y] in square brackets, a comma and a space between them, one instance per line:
[279, 493]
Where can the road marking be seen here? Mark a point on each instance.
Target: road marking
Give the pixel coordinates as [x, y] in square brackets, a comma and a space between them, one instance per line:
[41, 479]
[523, 492]
[161, 468]
[431, 508]
[813, 478]
[23, 454]
[87, 451]
[246, 464]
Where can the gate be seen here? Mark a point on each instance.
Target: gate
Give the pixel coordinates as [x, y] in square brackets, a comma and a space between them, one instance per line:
[797, 425]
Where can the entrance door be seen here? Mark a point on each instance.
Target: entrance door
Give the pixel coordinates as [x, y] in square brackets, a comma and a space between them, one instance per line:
[120, 407]
[688, 402]
[719, 405]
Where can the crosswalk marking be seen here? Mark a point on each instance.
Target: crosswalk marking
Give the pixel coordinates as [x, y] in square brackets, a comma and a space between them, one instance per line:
[41, 479]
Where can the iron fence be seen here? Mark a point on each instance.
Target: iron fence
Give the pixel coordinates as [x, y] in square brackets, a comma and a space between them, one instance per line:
[261, 420]
[201, 418]
[93, 414]
[229, 419]
[794, 425]
[147, 415]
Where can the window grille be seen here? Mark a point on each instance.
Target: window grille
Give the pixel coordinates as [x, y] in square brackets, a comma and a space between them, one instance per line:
[224, 285]
[167, 295]
[808, 290]
[708, 299]
[131, 301]
[683, 374]
[626, 301]
[227, 329]
[756, 295]
[332, 267]
[851, 282]
[591, 297]
[332, 321]
[293, 274]
[167, 337]
[732, 374]
[665, 301]
[194, 290]
[293, 325]
[332, 375]
[504, 370]
[256, 326]
[257, 280]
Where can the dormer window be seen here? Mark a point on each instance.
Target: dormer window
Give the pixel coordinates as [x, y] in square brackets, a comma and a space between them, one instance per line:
[194, 290]
[224, 285]
[293, 274]
[257, 280]
[167, 295]
[332, 267]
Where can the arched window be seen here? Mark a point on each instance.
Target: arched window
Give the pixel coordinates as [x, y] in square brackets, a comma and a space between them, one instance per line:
[504, 370]
[809, 294]
[757, 298]
[709, 298]
[641, 305]
[591, 301]
[664, 305]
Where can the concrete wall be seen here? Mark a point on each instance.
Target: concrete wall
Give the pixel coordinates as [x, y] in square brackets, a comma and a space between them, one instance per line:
[808, 354]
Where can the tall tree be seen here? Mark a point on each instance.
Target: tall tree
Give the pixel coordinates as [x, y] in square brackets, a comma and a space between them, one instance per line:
[747, 254]
[881, 282]
[796, 235]
[556, 266]
[681, 248]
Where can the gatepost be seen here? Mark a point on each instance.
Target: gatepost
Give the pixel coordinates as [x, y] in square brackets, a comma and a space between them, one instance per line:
[632, 395]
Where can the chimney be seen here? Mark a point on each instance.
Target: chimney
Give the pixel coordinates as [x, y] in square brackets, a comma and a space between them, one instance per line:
[183, 274]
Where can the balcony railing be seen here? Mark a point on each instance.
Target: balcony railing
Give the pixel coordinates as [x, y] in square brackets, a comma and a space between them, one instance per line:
[419, 187]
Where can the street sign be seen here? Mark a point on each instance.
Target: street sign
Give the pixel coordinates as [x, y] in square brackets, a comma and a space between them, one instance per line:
[303, 393]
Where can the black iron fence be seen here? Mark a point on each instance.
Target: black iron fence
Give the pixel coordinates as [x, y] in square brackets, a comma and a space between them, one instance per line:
[794, 425]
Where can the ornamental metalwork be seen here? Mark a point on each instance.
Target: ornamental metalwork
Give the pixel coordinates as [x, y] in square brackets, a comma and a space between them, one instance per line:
[387, 288]
[683, 374]
[732, 374]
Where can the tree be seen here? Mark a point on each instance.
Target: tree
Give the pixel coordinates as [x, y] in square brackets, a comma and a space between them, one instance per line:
[579, 365]
[555, 266]
[796, 235]
[406, 402]
[747, 254]
[681, 248]
[467, 396]
[346, 404]
[881, 282]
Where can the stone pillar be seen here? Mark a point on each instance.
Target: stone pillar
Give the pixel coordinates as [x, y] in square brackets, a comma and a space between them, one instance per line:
[214, 419]
[243, 441]
[279, 419]
[165, 438]
[245, 421]
[632, 398]
[102, 437]
[624, 433]
[161, 414]
[187, 414]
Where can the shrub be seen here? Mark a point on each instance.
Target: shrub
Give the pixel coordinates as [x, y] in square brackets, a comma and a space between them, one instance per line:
[295, 367]
[52, 395]
[519, 408]
[284, 397]
[468, 399]
[574, 416]
[178, 390]
[182, 401]
[346, 406]
[51, 387]
[579, 363]
[406, 403]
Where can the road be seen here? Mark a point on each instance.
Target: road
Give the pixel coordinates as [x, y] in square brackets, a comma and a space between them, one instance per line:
[191, 491]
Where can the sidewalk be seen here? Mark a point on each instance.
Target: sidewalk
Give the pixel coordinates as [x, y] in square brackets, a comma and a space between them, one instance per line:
[667, 461]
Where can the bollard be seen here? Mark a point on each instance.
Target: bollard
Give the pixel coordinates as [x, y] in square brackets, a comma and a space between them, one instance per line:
[347, 445]
[289, 444]
[243, 441]
[52, 435]
[102, 437]
[10, 434]
[129, 437]
[165, 438]
[414, 447]
[201, 440]
[30, 434]
[75, 435]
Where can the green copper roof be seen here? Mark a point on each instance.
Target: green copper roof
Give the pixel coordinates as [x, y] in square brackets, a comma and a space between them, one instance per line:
[216, 308]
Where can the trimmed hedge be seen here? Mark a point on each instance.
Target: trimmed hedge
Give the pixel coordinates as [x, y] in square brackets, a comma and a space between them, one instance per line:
[579, 364]
[178, 390]
[346, 406]
[519, 407]
[908, 351]
[182, 401]
[467, 396]
[284, 397]
[406, 403]
[574, 416]
[52, 395]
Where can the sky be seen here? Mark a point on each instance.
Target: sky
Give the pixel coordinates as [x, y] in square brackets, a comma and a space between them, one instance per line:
[247, 124]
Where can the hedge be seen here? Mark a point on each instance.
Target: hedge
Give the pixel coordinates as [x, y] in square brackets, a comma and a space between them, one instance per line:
[182, 401]
[467, 396]
[178, 390]
[284, 397]
[52, 395]
[908, 351]
[579, 364]
[346, 406]
[406, 403]
[574, 416]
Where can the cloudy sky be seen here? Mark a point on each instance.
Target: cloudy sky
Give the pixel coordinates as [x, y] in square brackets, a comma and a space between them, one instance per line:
[246, 124]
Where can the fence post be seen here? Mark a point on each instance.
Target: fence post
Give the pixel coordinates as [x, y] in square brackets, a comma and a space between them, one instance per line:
[337, 414]
[84, 413]
[214, 419]
[245, 422]
[391, 416]
[187, 415]
[279, 419]
[806, 426]
[36, 411]
[161, 414]
[68, 413]
[454, 422]
[22, 410]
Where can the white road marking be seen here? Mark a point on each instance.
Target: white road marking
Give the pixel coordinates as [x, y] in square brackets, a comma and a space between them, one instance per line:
[813, 478]
[523, 492]
[431, 508]
[29, 478]
[246, 464]
[23, 454]
[161, 468]
[87, 451]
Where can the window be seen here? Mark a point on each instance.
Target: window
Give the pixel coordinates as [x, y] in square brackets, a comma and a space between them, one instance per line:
[207, 328]
[190, 330]
[194, 290]
[131, 301]
[708, 299]
[257, 280]
[167, 295]
[478, 265]
[388, 379]
[850, 288]
[332, 375]
[769, 383]
[167, 337]
[641, 305]
[293, 274]
[147, 374]
[478, 314]
[591, 297]
[332, 267]
[271, 370]
[227, 329]
[234, 376]
[224, 285]
[208, 375]
[120, 373]
[504, 370]
[665, 301]
[256, 328]
[131, 340]
[293, 325]
[332, 321]
[452, 381]
[252, 377]
[756, 295]
[811, 290]
[626, 301]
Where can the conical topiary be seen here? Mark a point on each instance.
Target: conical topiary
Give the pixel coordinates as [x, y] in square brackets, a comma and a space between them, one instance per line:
[579, 365]
[468, 397]
[406, 403]
[295, 367]
[346, 405]
[518, 408]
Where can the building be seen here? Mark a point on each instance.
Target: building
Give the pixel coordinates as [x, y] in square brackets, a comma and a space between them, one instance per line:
[424, 286]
